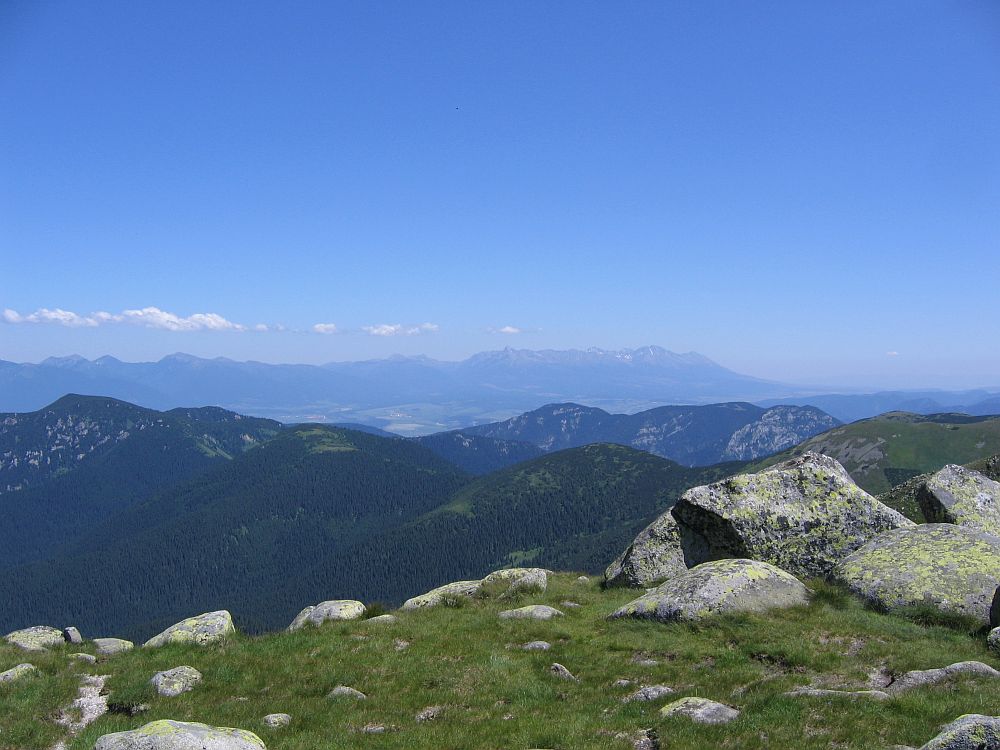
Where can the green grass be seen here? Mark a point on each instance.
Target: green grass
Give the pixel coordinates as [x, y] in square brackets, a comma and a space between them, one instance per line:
[468, 660]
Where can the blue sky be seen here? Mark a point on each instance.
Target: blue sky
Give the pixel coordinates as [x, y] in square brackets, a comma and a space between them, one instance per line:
[802, 191]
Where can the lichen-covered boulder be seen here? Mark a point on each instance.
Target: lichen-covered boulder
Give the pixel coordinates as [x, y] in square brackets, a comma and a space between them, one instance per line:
[16, 673]
[112, 646]
[968, 732]
[518, 579]
[168, 734]
[337, 609]
[199, 630]
[531, 612]
[961, 496]
[803, 515]
[953, 568]
[276, 721]
[72, 635]
[175, 681]
[458, 589]
[701, 710]
[993, 641]
[654, 555]
[36, 638]
[719, 587]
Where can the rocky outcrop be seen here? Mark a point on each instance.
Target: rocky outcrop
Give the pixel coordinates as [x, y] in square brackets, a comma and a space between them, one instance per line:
[337, 609]
[701, 710]
[36, 638]
[201, 630]
[804, 515]
[961, 496]
[968, 732]
[16, 673]
[531, 612]
[508, 581]
[168, 734]
[952, 568]
[112, 646]
[175, 681]
[653, 556]
[719, 587]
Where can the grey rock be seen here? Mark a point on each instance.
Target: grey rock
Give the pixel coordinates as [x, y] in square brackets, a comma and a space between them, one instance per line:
[16, 673]
[518, 579]
[168, 734]
[383, 620]
[175, 681]
[654, 555]
[968, 732]
[717, 587]
[993, 641]
[582, 580]
[569, 605]
[531, 612]
[430, 713]
[701, 710]
[89, 658]
[337, 609]
[953, 568]
[537, 646]
[201, 630]
[961, 496]
[921, 677]
[72, 635]
[878, 695]
[562, 673]
[35, 638]
[112, 646]
[434, 597]
[344, 691]
[510, 580]
[276, 721]
[650, 693]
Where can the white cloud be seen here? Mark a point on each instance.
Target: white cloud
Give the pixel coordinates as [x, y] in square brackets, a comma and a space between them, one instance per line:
[509, 330]
[395, 329]
[59, 317]
[325, 328]
[150, 317]
[892, 354]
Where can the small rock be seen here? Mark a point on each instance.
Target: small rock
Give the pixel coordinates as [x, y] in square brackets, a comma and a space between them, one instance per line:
[968, 732]
[877, 695]
[175, 681]
[168, 734]
[642, 739]
[537, 646]
[531, 612]
[430, 713]
[701, 710]
[343, 691]
[276, 721]
[72, 635]
[200, 630]
[562, 673]
[622, 683]
[644, 661]
[569, 604]
[36, 638]
[651, 693]
[334, 610]
[582, 580]
[89, 658]
[16, 673]
[383, 620]
[993, 640]
[112, 646]
[920, 677]
[372, 729]
[400, 645]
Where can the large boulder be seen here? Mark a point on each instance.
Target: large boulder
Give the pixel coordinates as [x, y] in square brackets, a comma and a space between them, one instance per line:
[654, 555]
[434, 597]
[953, 568]
[36, 638]
[517, 579]
[961, 496]
[168, 734]
[337, 609]
[112, 646]
[199, 630]
[968, 732]
[803, 515]
[719, 587]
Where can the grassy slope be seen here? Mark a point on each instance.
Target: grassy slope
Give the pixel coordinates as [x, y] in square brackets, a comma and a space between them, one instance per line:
[467, 660]
[886, 450]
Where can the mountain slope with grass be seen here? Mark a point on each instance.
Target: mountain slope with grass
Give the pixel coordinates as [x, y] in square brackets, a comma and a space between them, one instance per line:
[885, 451]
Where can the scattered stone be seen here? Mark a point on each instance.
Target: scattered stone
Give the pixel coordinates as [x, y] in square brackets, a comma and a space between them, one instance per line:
[372, 729]
[804, 516]
[343, 691]
[650, 693]
[968, 732]
[961, 496]
[89, 658]
[430, 713]
[717, 587]
[622, 683]
[569, 604]
[993, 640]
[400, 645]
[337, 609]
[562, 673]
[36, 638]
[168, 734]
[921, 677]
[434, 597]
[112, 646]
[531, 612]
[808, 692]
[383, 620]
[953, 568]
[200, 630]
[90, 704]
[175, 681]
[654, 555]
[582, 580]
[537, 646]
[16, 673]
[644, 661]
[701, 710]
[641, 739]
[276, 721]
[72, 635]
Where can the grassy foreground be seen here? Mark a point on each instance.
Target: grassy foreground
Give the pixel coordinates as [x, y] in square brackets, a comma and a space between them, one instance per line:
[496, 695]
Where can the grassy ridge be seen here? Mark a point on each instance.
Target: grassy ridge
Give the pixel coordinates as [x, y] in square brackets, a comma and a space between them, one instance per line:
[499, 696]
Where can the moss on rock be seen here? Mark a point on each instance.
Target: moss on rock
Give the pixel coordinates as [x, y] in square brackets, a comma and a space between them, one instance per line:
[201, 630]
